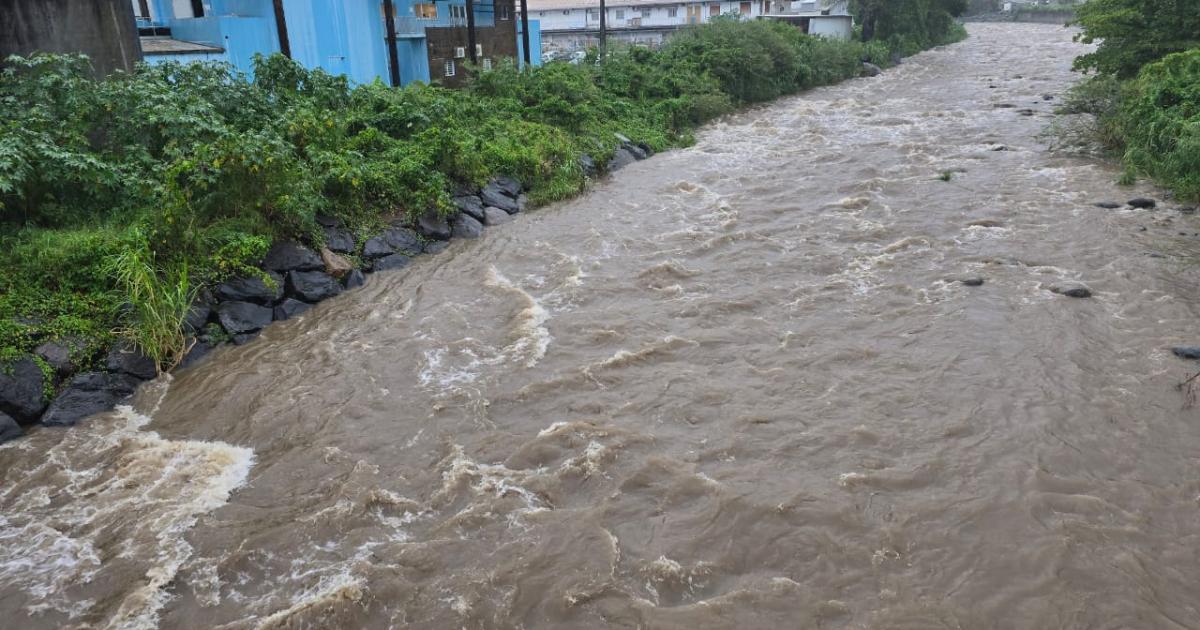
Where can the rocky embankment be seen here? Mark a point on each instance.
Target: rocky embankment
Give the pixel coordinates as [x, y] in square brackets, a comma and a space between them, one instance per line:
[51, 389]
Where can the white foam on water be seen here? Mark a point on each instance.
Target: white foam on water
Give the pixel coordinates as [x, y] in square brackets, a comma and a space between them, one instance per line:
[532, 336]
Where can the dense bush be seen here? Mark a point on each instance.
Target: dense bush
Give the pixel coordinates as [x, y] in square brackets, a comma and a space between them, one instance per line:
[120, 198]
[1160, 122]
[1133, 33]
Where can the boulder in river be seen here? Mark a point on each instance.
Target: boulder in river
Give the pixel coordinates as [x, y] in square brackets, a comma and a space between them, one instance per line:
[871, 70]
[1143, 202]
[1071, 289]
[88, 394]
[355, 279]
[266, 289]
[243, 317]
[495, 197]
[436, 247]
[245, 338]
[1107, 205]
[972, 281]
[495, 216]
[9, 429]
[196, 353]
[434, 225]
[620, 159]
[22, 390]
[395, 261]
[466, 226]
[312, 286]
[1186, 352]
[292, 256]
[127, 359]
[290, 308]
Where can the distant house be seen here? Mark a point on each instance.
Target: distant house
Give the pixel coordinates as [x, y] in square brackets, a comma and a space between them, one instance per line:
[822, 18]
[425, 41]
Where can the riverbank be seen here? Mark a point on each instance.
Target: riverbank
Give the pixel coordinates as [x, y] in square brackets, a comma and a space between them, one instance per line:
[149, 218]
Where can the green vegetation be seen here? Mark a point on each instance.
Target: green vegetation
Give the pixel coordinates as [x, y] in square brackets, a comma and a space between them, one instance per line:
[910, 26]
[121, 198]
[1145, 94]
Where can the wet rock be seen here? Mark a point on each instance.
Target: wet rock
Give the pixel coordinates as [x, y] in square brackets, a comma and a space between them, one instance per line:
[88, 394]
[395, 261]
[377, 247]
[126, 359]
[1000, 147]
[255, 289]
[324, 220]
[243, 317]
[972, 281]
[871, 70]
[985, 223]
[290, 308]
[1187, 352]
[61, 354]
[312, 286]
[1187, 210]
[1047, 97]
[292, 256]
[1003, 105]
[508, 185]
[245, 338]
[432, 225]
[637, 152]
[437, 247]
[522, 202]
[355, 279]
[1141, 228]
[335, 265]
[465, 226]
[470, 205]
[403, 241]
[494, 197]
[197, 316]
[196, 353]
[339, 241]
[1072, 289]
[1025, 112]
[1143, 202]
[9, 429]
[22, 390]
[587, 165]
[495, 216]
[620, 159]
[1107, 205]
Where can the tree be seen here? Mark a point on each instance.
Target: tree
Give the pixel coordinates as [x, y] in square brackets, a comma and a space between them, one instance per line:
[1133, 33]
[921, 23]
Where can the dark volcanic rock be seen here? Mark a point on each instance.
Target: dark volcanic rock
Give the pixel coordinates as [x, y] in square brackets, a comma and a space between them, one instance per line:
[465, 226]
[871, 70]
[196, 353]
[245, 338]
[126, 359]
[470, 205]
[9, 429]
[355, 279]
[1072, 289]
[197, 316]
[496, 198]
[292, 256]
[312, 286]
[972, 281]
[22, 389]
[395, 261]
[290, 308]
[1187, 352]
[587, 165]
[508, 185]
[432, 225]
[1107, 205]
[437, 247]
[635, 150]
[338, 240]
[243, 317]
[495, 216]
[620, 159]
[1142, 202]
[88, 394]
[60, 354]
[377, 247]
[403, 241]
[326, 221]
[251, 289]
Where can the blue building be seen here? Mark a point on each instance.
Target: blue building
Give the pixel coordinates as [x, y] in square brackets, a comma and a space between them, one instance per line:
[427, 41]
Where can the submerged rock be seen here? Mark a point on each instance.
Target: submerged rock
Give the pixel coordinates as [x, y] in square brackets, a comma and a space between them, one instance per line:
[495, 216]
[1187, 352]
[290, 308]
[88, 394]
[1072, 289]
[433, 225]
[620, 159]
[292, 256]
[196, 353]
[1143, 202]
[1107, 205]
[126, 359]
[9, 429]
[972, 281]
[437, 247]
[395, 261]
[245, 338]
[243, 317]
[466, 226]
[871, 70]
[312, 286]
[255, 289]
[22, 390]
[355, 279]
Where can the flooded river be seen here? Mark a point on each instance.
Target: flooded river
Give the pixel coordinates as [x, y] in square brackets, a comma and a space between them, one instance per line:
[734, 386]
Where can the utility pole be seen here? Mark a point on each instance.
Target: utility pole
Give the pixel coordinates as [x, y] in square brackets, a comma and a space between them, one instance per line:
[285, 45]
[525, 31]
[471, 30]
[389, 15]
[603, 30]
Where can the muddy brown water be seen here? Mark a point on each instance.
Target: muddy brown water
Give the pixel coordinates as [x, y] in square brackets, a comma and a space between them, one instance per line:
[734, 386]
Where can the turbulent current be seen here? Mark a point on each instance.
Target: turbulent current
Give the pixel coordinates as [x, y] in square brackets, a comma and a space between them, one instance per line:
[733, 386]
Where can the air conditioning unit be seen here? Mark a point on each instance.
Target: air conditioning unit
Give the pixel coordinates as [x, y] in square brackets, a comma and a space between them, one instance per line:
[478, 50]
[460, 52]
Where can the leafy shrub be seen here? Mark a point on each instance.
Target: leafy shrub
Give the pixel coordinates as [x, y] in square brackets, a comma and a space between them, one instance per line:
[1160, 122]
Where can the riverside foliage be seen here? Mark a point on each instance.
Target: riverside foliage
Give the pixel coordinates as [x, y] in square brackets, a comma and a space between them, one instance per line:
[120, 198]
[1146, 91]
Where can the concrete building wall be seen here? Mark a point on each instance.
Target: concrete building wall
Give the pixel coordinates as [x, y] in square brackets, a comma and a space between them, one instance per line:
[104, 30]
[832, 26]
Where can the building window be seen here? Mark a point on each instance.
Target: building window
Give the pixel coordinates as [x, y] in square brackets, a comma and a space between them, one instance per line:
[593, 14]
[744, 8]
[487, 65]
[645, 13]
[503, 12]
[425, 10]
[620, 14]
[672, 12]
[448, 69]
[714, 10]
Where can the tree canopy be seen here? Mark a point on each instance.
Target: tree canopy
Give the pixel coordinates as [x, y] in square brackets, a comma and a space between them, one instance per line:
[1133, 33]
[921, 22]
